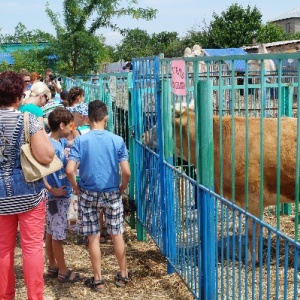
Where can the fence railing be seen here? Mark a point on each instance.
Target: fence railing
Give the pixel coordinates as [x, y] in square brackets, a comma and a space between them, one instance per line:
[201, 183]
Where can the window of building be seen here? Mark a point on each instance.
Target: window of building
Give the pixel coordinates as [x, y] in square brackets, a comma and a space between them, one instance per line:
[288, 27]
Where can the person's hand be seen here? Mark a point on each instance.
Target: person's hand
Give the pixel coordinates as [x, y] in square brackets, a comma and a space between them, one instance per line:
[59, 192]
[122, 189]
[76, 190]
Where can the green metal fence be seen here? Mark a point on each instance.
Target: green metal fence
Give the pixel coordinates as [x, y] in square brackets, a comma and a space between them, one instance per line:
[195, 189]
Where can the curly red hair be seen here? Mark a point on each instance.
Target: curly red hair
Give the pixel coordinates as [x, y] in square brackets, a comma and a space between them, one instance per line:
[11, 88]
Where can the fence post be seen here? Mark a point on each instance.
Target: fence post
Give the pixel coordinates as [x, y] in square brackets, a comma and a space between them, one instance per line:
[138, 122]
[286, 109]
[205, 177]
[130, 138]
[168, 178]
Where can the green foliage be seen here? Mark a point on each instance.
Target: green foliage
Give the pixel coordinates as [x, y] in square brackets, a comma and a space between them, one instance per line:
[78, 47]
[197, 37]
[270, 33]
[4, 66]
[81, 50]
[136, 43]
[163, 42]
[235, 27]
[31, 60]
[78, 53]
[23, 36]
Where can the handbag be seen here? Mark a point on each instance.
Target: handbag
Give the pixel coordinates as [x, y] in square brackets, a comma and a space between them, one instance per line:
[73, 209]
[32, 169]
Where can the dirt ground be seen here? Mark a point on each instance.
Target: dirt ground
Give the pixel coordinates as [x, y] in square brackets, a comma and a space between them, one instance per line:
[149, 279]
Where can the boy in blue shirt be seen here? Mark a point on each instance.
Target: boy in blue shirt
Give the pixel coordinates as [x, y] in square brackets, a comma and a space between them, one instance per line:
[82, 123]
[101, 154]
[59, 193]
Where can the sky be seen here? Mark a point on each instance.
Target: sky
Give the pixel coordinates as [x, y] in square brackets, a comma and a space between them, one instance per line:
[173, 15]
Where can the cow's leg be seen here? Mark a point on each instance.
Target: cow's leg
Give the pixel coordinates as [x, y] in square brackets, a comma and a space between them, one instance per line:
[253, 228]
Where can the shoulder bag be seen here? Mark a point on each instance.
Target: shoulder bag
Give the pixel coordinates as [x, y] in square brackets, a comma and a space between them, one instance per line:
[32, 169]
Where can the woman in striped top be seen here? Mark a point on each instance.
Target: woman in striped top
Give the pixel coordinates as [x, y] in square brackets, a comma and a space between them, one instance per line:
[21, 204]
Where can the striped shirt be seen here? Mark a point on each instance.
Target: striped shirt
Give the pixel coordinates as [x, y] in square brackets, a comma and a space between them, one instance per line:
[16, 195]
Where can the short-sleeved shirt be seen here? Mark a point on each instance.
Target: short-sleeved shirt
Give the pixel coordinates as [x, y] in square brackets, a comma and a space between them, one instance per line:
[32, 108]
[49, 107]
[99, 153]
[59, 178]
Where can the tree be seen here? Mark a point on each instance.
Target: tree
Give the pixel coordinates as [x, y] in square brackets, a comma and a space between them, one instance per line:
[77, 45]
[271, 32]
[198, 36]
[235, 27]
[164, 42]
[24, 36]
[136, 43]
[31, 57]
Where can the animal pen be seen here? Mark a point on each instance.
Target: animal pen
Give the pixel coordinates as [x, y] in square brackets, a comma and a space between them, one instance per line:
[214, 155]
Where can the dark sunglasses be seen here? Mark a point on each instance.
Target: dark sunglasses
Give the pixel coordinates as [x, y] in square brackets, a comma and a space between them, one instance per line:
[46, 97]
[26, 80]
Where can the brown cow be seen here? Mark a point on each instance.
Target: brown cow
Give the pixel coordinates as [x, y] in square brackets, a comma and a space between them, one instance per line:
[287, 157]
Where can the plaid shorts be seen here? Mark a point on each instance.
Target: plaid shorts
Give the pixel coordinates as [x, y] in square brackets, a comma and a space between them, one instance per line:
[57, 222]
[89, 206]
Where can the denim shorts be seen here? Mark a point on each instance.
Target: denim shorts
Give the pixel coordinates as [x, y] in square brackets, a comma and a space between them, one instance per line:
[89, 206]
[57, 209]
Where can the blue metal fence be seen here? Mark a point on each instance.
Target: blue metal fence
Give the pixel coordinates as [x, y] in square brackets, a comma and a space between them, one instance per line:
[212, 235]
[204, 236]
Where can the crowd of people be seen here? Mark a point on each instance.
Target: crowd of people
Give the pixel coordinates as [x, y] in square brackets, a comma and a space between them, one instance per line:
[93, 159]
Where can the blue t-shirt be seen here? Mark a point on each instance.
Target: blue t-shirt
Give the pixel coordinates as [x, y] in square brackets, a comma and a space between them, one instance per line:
[99, 153]
[59, 178]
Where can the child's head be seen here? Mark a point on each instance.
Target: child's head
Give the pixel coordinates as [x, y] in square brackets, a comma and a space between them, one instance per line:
[60, 120]
[64, 98]
[97, 111]
[80, 113]
[75, 95]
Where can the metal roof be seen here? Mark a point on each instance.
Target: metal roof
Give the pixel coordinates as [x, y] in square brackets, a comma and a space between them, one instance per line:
[6, 57]
[293, 13]
[239, 65]
[273, 44]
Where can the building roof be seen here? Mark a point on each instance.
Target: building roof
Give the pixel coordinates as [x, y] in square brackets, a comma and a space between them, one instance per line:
[239, 65]
[273, 44]
[293, 13]
[6, 57]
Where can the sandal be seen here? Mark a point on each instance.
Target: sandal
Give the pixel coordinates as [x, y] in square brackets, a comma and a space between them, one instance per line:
[67, 278]
[91, 283]
[120, 280]
[52, 272]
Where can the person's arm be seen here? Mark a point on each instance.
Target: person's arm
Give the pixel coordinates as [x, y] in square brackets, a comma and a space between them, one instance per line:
[41, 147]
[71, 169]
[57, 192]
[57, 86]
[124, 165]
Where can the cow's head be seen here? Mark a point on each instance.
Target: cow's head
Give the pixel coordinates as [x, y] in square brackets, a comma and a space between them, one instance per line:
[180, 112]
